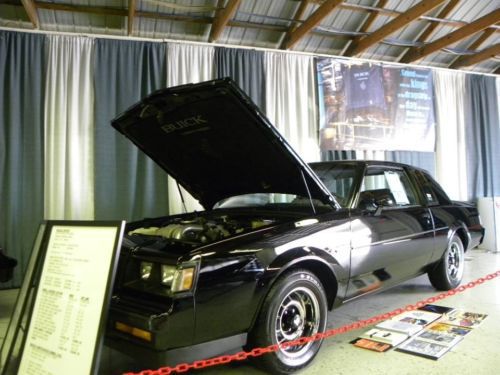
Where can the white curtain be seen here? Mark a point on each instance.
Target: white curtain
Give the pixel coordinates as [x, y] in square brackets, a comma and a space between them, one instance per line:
[69, 103]
[370, 155]
[291, 103]
[451, 162]
[187, 63]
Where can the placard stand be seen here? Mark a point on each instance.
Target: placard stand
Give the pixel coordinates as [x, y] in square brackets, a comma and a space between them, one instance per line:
[60, 312]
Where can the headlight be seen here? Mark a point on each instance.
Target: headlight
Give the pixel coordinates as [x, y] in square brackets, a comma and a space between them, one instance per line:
[183, 279]
[146, 268]
[167, 274]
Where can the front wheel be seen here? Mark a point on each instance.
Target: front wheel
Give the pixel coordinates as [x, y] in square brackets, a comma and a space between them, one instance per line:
[295, 307]
[447, 274]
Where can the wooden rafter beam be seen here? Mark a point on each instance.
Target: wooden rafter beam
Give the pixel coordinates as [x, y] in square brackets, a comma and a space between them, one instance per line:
[479, 41]
[297, 17]
[300, 12]
[474, 46]
[108, 11]
[123, 12]
[209, 20]
[397, 23]
[365, 27]
[485, 54]
[431, 26]
[222, 18]
[394, 13]
[453, 37]
[30, 8]
[131, 15]
[323, 11]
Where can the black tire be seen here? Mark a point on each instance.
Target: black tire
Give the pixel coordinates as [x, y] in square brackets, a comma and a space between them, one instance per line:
[295, 307]
[447, 274]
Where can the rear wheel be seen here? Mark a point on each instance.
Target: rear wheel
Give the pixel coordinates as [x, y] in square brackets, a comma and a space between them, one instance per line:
[295, 307]
[447, 274]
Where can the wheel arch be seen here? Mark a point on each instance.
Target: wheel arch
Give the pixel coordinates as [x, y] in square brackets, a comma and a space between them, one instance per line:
[317, 261]
[310, 262]
[322, 271]
[460, 229]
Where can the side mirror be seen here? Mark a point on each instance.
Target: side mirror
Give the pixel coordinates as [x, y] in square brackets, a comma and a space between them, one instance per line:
[376, 200]
[385, 200]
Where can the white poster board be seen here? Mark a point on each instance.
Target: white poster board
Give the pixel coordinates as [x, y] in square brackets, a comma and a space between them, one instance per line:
[71, 301]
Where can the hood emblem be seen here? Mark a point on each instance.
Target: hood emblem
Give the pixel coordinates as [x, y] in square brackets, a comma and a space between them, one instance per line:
[184, 123]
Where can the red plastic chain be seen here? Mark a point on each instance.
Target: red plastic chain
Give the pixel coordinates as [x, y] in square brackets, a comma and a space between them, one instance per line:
[243, 355]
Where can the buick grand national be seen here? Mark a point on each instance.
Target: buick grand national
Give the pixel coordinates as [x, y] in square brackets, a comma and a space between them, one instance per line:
[279, 242]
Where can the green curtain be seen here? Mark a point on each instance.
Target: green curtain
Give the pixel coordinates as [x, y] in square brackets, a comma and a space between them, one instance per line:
[127, 184]
[22, 72]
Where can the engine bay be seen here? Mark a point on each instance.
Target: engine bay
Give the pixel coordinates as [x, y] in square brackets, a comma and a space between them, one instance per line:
[200, 230]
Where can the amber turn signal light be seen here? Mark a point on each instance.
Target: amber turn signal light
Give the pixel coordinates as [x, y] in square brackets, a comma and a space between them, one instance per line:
[136, 332]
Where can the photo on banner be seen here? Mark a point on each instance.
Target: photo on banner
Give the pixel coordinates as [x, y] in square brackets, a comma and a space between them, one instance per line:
[367, 106]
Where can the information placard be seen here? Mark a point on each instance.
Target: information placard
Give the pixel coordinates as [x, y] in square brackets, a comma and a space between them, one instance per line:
[71, 300]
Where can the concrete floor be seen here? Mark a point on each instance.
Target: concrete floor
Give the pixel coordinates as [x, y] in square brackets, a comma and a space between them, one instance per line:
[478, 353]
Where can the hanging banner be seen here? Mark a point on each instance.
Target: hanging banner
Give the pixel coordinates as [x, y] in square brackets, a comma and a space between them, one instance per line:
[365, 106]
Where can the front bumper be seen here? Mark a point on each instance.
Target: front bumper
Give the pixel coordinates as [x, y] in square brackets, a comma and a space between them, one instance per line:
[171, 325]
[170, 322]
[149, 358]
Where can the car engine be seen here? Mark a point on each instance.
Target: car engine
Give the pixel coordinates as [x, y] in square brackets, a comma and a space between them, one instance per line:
[200, 230]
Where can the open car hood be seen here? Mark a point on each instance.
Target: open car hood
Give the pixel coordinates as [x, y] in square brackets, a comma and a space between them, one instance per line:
[216, 143]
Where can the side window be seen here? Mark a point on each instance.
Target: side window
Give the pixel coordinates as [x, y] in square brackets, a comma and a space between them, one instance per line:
[432, 192]
[386, 187]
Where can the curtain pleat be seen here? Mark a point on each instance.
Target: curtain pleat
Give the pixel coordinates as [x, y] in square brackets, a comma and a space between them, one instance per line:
[22, 72]
[246, 68]
[332, 155]
[291, 101]
[424, 160]
[187, 63]
[450, 138]
[483, 136]
[127, 184]
[69, 104]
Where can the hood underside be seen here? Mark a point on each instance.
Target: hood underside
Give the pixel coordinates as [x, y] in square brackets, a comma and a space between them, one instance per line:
[216, 143]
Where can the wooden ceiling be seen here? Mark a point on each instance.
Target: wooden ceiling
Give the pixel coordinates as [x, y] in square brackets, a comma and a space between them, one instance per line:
[428, 32]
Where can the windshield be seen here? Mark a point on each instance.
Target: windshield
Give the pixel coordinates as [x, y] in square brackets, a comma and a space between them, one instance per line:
[272, 200]
[339, 179]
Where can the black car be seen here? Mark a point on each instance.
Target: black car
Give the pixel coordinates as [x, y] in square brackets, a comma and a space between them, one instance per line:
[279, 243]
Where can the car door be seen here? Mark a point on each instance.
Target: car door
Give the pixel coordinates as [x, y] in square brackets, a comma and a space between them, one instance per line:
[392, 232]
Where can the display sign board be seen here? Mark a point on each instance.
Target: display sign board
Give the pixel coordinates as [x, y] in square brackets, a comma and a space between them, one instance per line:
[367, 106]
[68, 315]
[12, 340]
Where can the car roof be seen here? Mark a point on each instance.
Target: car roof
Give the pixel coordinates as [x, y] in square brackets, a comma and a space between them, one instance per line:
[367, 163]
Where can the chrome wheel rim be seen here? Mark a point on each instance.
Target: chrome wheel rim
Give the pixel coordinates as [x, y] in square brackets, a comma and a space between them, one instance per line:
[298, 316]
[454, 260]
